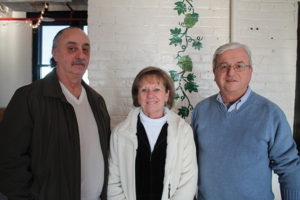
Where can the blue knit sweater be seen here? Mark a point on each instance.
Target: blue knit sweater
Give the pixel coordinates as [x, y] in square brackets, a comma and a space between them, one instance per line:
[238, 150]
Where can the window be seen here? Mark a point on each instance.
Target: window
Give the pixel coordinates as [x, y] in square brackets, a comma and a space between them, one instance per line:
[48, 33]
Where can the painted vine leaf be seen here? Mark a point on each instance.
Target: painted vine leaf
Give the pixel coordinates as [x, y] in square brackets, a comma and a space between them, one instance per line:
[185, 63]
[197, 45]
[176, 41]
[177, 96]
[174, 75]
[191, 77]
[190, 19]
[183, 111]
[181, 38]
[180, 7]
[176, 31]
[191, 86]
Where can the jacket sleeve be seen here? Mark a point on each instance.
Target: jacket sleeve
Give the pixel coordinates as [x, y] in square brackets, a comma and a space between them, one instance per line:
[189, 175]
[115, 190]
[15, 135]
[284, 159]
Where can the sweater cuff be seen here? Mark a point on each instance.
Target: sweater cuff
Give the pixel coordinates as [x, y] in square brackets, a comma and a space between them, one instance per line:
[287, 194]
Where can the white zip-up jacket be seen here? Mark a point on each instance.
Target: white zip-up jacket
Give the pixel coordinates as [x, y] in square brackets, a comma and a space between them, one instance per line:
[181, 170]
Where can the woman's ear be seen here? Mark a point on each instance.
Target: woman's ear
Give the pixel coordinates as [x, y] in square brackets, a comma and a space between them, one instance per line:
[167, 95]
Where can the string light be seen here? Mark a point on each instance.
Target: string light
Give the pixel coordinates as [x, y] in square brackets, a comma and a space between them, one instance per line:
[38, 23]
[4, 11]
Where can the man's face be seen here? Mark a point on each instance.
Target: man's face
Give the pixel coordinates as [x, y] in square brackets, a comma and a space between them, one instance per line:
[233, 84]
[72, 53]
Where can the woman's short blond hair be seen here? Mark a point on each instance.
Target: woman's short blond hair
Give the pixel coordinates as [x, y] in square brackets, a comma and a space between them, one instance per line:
[160, 74]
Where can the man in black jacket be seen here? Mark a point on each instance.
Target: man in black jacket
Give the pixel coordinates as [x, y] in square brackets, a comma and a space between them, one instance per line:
[55, 132]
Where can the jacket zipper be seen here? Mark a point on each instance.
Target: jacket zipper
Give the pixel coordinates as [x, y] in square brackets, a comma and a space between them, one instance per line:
[169, 191]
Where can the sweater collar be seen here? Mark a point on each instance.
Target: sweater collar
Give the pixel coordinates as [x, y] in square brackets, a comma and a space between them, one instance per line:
[52, 88]
[236, 105]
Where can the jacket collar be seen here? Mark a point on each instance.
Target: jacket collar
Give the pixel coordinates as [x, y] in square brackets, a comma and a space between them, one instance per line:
[51, 86]
[129, 124]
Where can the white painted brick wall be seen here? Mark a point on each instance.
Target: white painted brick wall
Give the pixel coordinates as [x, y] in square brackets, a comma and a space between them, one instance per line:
[128, 35]
[269, 28]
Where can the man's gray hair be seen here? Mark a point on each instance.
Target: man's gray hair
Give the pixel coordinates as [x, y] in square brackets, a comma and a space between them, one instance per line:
[230, 46]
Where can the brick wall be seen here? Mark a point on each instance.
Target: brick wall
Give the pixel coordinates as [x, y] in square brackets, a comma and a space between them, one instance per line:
[128, 35]
[270, 30]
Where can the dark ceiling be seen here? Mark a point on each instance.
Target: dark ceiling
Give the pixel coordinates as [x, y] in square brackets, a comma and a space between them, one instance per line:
[54, 5]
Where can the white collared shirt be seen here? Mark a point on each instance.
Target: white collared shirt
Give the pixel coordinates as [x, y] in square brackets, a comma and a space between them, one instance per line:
[236, 105]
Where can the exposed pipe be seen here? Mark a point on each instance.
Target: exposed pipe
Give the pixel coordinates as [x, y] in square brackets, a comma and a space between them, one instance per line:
[36, 19]
[18, 19]
[71, 9]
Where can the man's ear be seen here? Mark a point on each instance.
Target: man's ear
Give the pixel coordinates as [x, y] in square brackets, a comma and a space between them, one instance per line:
[53, 54]
[214, 71]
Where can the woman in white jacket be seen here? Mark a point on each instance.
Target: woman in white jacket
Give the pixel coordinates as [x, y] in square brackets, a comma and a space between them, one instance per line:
[152, 152]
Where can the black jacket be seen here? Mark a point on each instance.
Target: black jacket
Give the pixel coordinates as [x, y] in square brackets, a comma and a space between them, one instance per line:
[150, 166]
[39, 143]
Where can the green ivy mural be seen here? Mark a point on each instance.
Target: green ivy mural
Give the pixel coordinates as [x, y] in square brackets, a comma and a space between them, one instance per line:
[184, 79]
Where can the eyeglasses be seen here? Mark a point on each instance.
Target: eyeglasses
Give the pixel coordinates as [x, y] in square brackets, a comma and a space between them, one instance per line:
[237, 67]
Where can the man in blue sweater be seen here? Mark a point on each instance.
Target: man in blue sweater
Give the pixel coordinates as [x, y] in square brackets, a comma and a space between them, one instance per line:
[241, 136]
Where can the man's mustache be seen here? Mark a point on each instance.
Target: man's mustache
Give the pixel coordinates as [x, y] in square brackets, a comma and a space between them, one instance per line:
[79, 62]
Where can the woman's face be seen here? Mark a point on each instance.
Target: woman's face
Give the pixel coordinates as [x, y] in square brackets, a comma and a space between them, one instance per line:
[152, 96]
